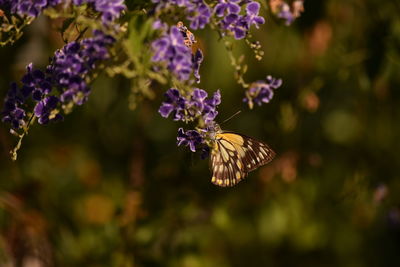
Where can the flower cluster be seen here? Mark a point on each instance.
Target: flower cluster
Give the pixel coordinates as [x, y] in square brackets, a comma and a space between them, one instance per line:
[72, 64]
[191, 138]
[235, 23]
[12, 113]
[109, 9]
[286, 12]
[197, 12]
[193, 106]
[261, 91]
[27, 7]
[173, 49]
[67, 73]
[229, 14]
[196, 105]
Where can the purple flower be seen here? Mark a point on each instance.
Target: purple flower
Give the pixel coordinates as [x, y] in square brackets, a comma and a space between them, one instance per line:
[200, 105]
[261, 91]
[159, 25]
[36, 83]
[170, 48]
[30, 8]
[210, 109]
[252, 16]
[195, 105]
[197, 58]
[73, 62]
[230, 6]
[67, 72]
[200, 14]
[109, 9]
[174, 104]
[12, 112]
[237, 24]
[46, 110]
[191, 138]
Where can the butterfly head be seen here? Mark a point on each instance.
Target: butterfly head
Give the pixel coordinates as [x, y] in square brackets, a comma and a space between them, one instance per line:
[210, 133]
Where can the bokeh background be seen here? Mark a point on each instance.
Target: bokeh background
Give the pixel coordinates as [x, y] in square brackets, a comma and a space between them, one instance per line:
[109, 187]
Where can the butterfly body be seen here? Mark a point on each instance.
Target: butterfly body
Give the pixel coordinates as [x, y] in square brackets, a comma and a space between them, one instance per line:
[234, 155]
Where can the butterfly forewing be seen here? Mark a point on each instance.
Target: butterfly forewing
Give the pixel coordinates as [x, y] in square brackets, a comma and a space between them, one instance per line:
[234, 155]
[257, 153]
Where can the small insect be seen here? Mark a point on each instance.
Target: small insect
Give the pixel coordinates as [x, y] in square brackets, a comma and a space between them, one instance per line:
[234, 155]
[188, 36]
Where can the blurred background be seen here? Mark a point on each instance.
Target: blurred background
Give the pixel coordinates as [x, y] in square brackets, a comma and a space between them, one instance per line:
[109, 187]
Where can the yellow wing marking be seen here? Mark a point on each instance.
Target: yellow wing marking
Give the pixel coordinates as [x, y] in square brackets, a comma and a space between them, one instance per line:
[226, 144]
[233, 138]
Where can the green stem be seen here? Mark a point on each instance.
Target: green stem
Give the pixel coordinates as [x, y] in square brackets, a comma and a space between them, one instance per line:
[14, 152]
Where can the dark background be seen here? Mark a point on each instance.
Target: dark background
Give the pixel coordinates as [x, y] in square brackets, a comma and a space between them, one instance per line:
[109, 187]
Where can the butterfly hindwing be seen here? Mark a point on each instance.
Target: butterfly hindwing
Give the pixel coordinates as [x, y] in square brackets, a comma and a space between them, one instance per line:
[234, 155]
[226, 165]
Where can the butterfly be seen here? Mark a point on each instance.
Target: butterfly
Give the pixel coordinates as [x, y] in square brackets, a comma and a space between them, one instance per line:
[234, 155]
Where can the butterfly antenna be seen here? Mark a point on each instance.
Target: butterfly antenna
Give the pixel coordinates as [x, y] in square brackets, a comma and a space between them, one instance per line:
[237, 112]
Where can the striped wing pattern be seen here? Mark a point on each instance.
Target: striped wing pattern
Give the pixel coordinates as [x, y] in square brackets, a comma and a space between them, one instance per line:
[234, 155]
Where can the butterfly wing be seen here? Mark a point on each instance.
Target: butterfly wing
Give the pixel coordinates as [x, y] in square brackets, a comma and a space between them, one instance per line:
[227, 167]
[234, 155]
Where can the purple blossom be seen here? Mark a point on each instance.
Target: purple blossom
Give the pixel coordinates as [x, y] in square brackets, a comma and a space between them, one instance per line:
[46, 110]
[12, 112]
[109, 9]
[237, 24]
[67, 72]
[195, 105]
[210, 108]
[252, 16]
[199, 105]
[198, 12]
[197, 58]
[73, 62]
[159, 25]
[229, 6]
[191, 138]
[35, 83]
[174, 104]
[30, 8]
[261, 91]
[170, 48]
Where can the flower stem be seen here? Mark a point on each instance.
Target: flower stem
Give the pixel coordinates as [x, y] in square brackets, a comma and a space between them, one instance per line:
[14, 152]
